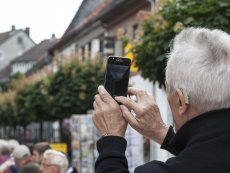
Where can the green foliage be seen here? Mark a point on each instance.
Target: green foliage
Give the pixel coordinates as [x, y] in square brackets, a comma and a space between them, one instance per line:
[161, 28]
[16, 76]
[8, 115]
[33, 104]
[73, 88]
[69, 91]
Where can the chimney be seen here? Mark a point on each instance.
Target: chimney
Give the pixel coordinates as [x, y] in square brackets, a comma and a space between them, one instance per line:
[27, 31]
[53, 37]
[13, 28]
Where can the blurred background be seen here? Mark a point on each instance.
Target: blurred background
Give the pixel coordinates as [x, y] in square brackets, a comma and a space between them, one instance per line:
[52, 59]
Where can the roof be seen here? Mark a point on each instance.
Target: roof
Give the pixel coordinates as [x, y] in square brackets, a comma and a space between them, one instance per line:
[6, 35]
[122, 9]
[90, 19]
[85, 9]
[37, 52]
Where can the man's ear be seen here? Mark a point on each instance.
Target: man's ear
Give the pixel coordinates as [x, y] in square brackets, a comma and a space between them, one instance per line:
[182, 103]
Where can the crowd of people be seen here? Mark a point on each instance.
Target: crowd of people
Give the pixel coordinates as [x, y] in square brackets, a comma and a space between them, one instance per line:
[17, 158]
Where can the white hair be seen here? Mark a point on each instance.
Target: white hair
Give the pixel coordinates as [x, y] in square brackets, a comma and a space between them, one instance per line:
[199, 63]
[58, 159]
[13, 144]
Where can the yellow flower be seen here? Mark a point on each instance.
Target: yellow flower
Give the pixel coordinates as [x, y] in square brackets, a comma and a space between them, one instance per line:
[189, 20]
[178, 27]
[144, 15]
[157, 26]
[120, 33]
[82, 95]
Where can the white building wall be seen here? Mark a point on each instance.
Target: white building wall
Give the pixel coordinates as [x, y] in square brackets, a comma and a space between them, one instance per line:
[11, 48]
[86, 56]
[161, 98]
[137, 81]
[83, 40]
[95, 48]
[68, 51]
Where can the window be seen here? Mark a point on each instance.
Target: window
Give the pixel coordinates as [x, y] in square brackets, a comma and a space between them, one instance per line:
[76, 49]
[89, 47]
[135, 27]
[20, 40]
[2, 56]
[83, 53]
[101, 49]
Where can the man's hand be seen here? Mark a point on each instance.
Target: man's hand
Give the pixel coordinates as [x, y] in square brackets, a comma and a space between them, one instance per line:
[148, 119]
[108, 117]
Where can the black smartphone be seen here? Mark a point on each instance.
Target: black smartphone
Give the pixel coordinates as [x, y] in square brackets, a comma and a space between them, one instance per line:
[117, 76]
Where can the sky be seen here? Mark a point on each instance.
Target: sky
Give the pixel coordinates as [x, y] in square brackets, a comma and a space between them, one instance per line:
[43, 17]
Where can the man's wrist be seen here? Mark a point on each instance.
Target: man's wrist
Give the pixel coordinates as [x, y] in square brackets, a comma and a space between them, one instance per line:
[160, 135]
[108, 143]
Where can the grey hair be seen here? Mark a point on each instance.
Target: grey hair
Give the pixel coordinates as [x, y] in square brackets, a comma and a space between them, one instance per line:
[199, 63]
[13, 144]
[58, 159]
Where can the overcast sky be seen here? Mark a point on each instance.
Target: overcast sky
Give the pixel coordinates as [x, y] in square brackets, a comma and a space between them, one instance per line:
[44, 17]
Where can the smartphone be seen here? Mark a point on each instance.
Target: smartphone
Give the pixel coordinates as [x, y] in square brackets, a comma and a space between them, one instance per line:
[117, 76]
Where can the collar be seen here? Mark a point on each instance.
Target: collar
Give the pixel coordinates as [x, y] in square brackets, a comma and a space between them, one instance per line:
[202, 128]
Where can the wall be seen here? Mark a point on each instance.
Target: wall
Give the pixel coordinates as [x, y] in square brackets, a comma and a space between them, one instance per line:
[82, 41]
[161, 98]
[127, 23]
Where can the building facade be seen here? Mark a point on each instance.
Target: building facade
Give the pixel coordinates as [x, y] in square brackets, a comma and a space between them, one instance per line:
[33, 59]
[13, 44]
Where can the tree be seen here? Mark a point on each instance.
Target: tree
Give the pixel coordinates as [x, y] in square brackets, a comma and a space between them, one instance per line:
[161, 27]
[73, 87]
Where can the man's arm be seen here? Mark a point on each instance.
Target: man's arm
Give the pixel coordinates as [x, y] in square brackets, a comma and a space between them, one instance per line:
[111, 155]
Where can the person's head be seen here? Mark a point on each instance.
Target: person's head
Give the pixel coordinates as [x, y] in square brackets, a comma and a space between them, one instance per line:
[21, 154]
[197, 73]
[30, 168]
[54, 162]
[38, 151]
[12, 144]
[4, 148]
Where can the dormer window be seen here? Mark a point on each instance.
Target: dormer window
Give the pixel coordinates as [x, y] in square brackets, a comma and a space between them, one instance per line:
[20, 40]
[2, 56]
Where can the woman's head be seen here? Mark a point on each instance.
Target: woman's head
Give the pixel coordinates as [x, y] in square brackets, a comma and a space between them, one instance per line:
[38, 151]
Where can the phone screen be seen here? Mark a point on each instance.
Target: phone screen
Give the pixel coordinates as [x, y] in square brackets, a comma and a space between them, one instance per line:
[117, 76]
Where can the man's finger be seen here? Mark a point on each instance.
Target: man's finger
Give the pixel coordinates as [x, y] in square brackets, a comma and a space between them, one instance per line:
[128, 116]
[127, 102]
[98, 100]
[95, 106]
[133, 91]
[140, 94]
[105, 96]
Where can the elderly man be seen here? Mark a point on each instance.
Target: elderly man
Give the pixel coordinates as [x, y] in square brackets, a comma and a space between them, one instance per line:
[54, 162]
[198, 90]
